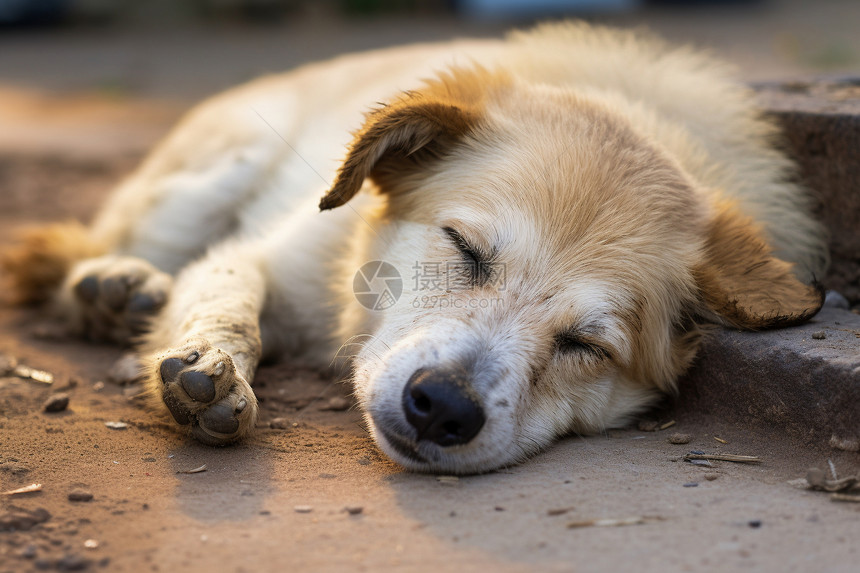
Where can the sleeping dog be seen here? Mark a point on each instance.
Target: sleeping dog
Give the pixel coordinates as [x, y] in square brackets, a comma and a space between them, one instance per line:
[527, 239]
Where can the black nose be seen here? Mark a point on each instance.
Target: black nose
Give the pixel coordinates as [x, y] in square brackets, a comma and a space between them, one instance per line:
[442, 407]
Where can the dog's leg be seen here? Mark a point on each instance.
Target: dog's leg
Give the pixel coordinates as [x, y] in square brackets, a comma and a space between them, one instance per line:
[200, 357]
[202, 350]
[111, 297]
[104, 280]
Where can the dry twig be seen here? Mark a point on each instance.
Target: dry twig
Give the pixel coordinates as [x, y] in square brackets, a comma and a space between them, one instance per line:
[33, 487]
[724, 458]
[817, 479]
[617, 522]
[194, 471]
[844, 497]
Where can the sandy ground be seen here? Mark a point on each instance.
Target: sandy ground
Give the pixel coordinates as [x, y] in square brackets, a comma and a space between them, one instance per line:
[246, 511]
[279, 502]
[282, 501]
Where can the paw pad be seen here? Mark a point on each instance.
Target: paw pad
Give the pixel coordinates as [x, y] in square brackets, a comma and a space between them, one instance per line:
[201, 388]
[220, 418]
[115, 297]
[87, 289]
[198, 386]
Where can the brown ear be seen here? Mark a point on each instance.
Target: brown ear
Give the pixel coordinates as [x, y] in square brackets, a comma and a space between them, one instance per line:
[397, 131]
[417, 127]
[744, 284]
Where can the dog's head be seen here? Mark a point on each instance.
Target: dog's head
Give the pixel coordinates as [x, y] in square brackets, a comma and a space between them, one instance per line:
[556, 264]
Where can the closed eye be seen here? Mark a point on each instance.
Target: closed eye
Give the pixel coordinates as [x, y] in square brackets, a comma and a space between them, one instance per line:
[470, 253]
[572, 342]
[478, 261]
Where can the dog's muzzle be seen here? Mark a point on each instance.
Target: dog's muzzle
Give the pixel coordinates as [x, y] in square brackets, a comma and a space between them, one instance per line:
[442, 407]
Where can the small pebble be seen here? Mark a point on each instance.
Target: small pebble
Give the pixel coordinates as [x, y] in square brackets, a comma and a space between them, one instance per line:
[80, 495]
[711, 477]
[28, 373]
[834, 299]
[353, 509]
[116, 425]
[680, 438]
[56, 402]
[754, 523]
[845, 444]
[303, 509]
[280, 424]
[17, 469]
[23, 520]
[7, 364]
[98, 386]
[691, 484]
[328, 476]
[73, 563]
[125, 370]
[648, 425]
[336, 404]
[28, 552]
[91, 544]
[819, 335]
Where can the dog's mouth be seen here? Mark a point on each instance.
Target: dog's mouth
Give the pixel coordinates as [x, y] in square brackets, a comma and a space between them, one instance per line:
[402, 446]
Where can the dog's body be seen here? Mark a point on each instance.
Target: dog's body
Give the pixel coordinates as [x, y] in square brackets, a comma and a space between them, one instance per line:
[562, 207]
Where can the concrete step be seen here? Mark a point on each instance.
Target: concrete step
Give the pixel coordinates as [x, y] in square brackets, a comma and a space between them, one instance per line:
[804, 380]
[821, 121]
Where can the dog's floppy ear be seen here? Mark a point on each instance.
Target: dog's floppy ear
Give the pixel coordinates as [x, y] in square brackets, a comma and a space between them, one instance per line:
[744, 284]
[416, 127]
[397, 131]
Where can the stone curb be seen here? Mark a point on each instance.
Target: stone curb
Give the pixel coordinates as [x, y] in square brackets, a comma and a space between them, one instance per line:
[821, 122]
[791, 379]
[807, 386]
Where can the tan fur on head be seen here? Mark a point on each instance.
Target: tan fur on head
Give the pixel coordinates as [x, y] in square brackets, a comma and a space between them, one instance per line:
[744, 284]
[38, 263]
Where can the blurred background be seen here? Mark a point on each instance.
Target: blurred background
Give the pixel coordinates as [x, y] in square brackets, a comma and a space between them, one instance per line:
[99, 76]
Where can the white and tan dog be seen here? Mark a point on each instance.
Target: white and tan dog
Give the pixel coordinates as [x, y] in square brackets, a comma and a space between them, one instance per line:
[562, 211]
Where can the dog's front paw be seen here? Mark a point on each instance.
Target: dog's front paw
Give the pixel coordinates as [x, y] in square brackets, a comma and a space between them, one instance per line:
[200, 387]
[114, 297]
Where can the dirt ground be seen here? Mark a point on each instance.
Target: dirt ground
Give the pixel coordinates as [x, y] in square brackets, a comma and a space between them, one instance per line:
[281, 500]
[311, 491]
[314, 493]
